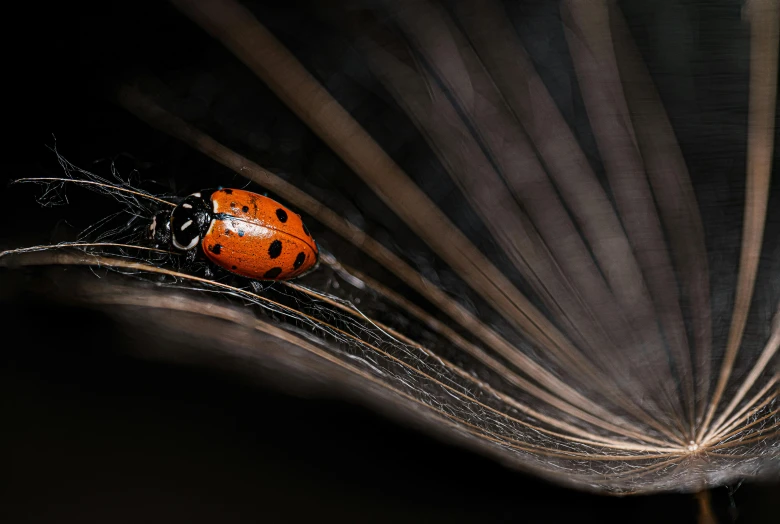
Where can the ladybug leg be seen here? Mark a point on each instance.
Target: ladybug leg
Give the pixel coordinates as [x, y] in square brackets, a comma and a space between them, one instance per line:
[208, 272]
[257, 286]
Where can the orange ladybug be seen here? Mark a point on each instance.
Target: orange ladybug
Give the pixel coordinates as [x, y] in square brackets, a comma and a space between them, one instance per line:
[245, 233]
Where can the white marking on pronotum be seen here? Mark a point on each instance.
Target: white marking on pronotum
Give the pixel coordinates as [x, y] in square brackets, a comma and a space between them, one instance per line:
[153, 225]
[187, 247]
[187, 224]
[186, 206]
[215, 205]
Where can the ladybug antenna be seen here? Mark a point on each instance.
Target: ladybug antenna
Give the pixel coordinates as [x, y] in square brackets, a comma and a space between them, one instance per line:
[98, 184]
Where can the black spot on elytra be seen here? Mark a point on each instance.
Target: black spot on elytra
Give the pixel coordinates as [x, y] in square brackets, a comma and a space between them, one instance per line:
[281, 214]
[228, 191]
[245, 209]
[233, 267]
[306, 230]
[272, 273]
[216, 248]
[275, 249]
[233, 204]
[299, 260]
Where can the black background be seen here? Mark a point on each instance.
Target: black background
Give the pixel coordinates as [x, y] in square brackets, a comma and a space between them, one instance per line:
[91, 435]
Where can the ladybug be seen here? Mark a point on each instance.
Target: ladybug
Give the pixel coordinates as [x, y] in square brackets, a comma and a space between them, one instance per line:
[242, 232]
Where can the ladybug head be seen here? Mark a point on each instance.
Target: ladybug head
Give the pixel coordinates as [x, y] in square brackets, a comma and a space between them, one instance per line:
[190, 221]
[159, 232]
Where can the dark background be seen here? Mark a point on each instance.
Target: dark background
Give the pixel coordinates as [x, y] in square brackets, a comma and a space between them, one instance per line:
[90, 434]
